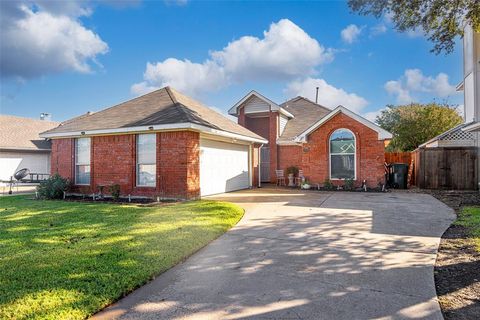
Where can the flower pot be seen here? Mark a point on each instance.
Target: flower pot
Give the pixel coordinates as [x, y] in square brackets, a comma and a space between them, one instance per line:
[290, 180]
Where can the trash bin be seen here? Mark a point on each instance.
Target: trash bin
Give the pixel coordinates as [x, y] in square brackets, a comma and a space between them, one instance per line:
[398, 175]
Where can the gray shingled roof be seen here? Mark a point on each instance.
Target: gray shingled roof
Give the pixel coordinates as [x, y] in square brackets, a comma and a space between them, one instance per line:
[306, 113]
[163, 106]
[17, 133]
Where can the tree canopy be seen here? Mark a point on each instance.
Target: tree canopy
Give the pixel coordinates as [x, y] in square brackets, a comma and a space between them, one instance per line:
[440, 20]
[414, 124]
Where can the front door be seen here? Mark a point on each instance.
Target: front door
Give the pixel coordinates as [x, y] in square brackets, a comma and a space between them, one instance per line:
[265, 164]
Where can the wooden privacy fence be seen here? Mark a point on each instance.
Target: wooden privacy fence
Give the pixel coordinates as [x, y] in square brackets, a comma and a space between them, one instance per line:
[446, 168]
[398, 157]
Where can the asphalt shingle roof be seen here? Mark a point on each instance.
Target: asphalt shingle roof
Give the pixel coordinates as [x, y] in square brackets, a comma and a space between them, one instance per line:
[17, 133]
[163, 106]
[305, 112]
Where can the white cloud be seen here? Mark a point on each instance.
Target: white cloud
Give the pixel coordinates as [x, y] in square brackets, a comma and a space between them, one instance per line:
[414, 81]
[396, 88]
[372, 115]
[379, 29]
[35, 42]
[328, 95]
[285, 52]
[415, 33]
[350, 33]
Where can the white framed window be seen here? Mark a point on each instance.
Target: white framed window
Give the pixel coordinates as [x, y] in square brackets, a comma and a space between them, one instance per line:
[342, 155]
[146, 160]
[82, 161]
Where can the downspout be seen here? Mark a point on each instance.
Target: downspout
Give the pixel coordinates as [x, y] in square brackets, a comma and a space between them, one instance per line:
[259, 167]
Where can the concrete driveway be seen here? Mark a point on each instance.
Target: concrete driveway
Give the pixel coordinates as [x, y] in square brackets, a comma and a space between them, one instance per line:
[307, 255]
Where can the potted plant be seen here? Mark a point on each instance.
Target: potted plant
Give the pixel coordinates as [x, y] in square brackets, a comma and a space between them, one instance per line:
[292, 172]
[306, 185]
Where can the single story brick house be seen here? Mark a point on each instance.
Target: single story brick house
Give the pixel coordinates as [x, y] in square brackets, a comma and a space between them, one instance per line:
[165, 144]
[326, 144]
[162, 144]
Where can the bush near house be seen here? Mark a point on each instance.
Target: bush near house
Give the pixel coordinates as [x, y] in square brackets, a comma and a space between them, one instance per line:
[67, 260]
[53, 187]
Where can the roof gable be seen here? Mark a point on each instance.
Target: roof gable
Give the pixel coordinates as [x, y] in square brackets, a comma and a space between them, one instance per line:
[306, 113]
[382, 133]
[273, 106]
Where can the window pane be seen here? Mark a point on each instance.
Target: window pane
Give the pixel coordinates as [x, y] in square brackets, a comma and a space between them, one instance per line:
[342, 146]
[82, 151]
[342, 166]
[342, 141]
[82, 174]
[146, 175]
[146, 148]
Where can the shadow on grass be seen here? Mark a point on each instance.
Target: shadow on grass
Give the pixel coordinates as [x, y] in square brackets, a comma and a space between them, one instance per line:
[63, 258]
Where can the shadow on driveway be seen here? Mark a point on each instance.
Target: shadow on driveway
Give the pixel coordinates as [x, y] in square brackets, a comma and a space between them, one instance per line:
[307, 255]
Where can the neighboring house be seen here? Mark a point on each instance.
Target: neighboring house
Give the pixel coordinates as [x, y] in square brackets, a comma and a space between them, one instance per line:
[21, 146]
[464, 135]
[471, 86]
[162, 144]
[326, 144]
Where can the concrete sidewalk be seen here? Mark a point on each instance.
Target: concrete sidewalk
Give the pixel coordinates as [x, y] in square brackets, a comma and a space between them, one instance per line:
[307, 255]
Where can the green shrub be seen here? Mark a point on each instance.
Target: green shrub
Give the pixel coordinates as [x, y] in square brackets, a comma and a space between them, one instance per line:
[53, 187]
[348, 184]
[115, 191]
[327, 184]
[293, 170]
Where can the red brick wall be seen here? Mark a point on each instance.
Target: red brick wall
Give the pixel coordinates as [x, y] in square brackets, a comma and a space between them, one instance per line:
[179, 164]
[113, 161]
[289, 156]
[272, 141]
[61, 160]
[313, 156]
[259, 125]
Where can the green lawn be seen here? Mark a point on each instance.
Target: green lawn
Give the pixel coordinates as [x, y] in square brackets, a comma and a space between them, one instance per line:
[470, 218]
[67, 260]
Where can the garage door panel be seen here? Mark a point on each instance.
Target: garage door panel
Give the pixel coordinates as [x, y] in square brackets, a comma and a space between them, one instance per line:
[223, 167]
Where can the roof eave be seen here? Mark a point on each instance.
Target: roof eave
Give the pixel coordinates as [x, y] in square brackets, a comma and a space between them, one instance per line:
[474, 127]
[161, 127]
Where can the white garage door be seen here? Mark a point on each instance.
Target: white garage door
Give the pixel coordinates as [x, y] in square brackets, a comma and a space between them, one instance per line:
[223, 167]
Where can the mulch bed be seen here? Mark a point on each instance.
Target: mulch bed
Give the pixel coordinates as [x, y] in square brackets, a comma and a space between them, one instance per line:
[457, 269]
[139, 201]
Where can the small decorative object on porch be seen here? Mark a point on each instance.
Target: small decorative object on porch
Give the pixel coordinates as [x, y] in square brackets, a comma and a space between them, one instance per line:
[292, 172]
[306, 185]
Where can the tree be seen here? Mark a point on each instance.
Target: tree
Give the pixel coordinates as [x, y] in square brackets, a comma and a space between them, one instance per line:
[414, 124]
[440, 20]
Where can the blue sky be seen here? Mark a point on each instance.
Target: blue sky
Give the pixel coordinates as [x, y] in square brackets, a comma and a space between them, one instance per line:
[69, 58]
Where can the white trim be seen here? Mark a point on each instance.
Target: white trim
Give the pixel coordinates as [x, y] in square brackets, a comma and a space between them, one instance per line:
[330, 156]
[75, 157]
[460, 86]
[137, 164]
[382, 134]
[275, 107]
[289, 143]
[141, 129]
[473, 127]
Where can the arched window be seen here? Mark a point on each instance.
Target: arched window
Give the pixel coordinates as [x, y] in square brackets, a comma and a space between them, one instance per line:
[342, 154]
